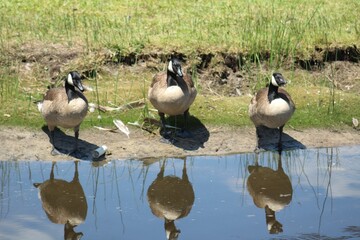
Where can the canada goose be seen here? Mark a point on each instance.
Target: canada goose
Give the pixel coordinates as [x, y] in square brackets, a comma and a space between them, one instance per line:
[172, 92]
[64, 202]
[171, 198]
[271, 190]
[65, 107]
[272, 107]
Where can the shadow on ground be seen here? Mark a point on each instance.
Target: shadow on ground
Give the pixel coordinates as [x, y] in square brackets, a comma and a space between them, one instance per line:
[199, 132]
[269, 138]
[65, 143]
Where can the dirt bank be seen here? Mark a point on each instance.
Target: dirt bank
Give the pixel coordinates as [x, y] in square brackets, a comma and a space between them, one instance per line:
[219, 74]
[23, 144]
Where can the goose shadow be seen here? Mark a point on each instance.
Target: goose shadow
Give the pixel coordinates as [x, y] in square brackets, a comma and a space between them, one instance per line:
[199, 134]
[269, 138]
[64, 143]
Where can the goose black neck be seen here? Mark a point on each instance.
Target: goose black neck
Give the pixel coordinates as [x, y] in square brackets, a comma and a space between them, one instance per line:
[70, 91]
[273, 92]
[171, 79]
[174, 80]
[170, 227]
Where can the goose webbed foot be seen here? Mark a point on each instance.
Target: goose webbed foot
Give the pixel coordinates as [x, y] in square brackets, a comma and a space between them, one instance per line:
[166, 136]
[166, 133]
[167, 140]
[55, 152]
[59, 151]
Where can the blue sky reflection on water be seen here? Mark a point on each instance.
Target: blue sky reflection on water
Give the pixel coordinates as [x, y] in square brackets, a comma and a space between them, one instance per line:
[313, 193]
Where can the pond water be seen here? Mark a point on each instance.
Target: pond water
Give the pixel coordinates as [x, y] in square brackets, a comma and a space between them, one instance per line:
[300, 194]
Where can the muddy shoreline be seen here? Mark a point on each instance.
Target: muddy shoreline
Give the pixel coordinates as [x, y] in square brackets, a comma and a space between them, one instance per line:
[24, 144]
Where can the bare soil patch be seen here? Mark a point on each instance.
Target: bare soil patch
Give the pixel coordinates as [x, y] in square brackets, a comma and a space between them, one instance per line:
[218, 73]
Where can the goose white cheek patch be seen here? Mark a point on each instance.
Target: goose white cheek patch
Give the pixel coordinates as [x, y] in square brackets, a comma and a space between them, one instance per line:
[170, 68]
[70, 80]
[273, 81]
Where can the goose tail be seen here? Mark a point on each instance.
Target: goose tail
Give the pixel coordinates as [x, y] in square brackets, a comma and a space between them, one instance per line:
[39, 105]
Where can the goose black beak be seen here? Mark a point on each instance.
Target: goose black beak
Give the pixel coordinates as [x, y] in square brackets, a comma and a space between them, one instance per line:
[282, 82]
[179, 72]
[80, 86]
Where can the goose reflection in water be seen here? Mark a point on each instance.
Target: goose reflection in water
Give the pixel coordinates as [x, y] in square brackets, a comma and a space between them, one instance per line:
[64, 202]
[171, 198]
[271, 190]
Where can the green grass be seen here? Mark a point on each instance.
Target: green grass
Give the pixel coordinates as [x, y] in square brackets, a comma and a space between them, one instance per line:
[283, 28]
[316, 106]
[274, 32]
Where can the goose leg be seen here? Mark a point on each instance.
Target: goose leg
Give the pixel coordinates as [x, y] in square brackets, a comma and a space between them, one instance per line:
[184, 173]
[54, 151]
[280, 137]
[166, 135]
[186, 118]
[163, 131]
[74, 152]
[162, 118]
[185, 133]
[257, 148]
[52, 170]
[279, 161]
[52, 136]
[76, 139]
[76, 174]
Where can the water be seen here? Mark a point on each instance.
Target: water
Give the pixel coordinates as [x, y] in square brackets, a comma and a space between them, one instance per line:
[312, 194]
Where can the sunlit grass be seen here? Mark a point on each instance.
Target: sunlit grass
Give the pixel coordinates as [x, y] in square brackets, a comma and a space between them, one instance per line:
[280, 28]
[317, 105]
[272, 31]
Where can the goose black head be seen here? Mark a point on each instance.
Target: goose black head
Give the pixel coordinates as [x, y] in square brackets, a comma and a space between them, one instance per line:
[278, 80]
[175, 67]
[74, 79]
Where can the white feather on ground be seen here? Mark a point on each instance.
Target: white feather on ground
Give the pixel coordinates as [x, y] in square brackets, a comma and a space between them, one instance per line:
[121, 126]
[355, 122]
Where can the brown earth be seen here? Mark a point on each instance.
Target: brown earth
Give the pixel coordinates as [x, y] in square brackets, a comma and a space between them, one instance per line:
[225, 74]
[22, 144]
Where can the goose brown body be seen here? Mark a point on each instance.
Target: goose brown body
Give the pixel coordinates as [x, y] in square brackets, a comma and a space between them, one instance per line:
[271, 107]
[58, 110]
[172, 93]
[64, 107]
[272, 114]
[171, 100]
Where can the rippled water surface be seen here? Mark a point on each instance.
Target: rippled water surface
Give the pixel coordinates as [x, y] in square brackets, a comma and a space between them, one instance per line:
[302, 194]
